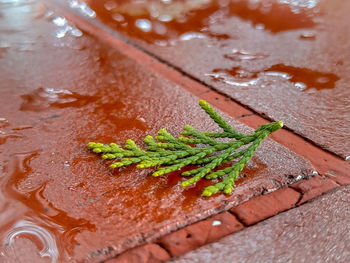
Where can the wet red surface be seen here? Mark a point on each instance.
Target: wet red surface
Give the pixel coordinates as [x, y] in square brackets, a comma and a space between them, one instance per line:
[163, 22]
[315, 232]
[302, 78]
[303, 42]
[60, 91]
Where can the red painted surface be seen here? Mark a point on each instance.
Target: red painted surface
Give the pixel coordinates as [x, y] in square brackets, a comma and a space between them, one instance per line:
[62, 88]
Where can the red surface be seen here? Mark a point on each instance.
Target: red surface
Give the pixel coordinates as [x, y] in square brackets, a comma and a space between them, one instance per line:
[150, 253]
[57, 94]
[265, 206]
[199, 234]
[167, 22]
[315, 232]
[282, 60]
[313, 187]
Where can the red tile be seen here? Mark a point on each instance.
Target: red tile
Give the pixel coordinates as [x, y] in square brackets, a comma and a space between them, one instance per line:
[314, 232]
[313, 187]
[150, 253]
[199, 234]
[265, 206]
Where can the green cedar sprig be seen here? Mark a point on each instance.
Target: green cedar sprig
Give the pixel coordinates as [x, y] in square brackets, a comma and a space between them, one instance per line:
[169, 154]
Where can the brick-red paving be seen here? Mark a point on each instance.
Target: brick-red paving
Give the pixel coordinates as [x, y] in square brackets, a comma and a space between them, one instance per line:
[325, 163]
[85, 217]
[243, 57]
[313, 187]
[69, 90]
[265, 206]
[150, 253]
[318, 231]
[199, 234]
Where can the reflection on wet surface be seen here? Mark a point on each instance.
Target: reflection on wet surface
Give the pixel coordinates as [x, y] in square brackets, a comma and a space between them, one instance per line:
[305, 78]
[46, 242]
[53, 220]
[163, 22]
[302, 78]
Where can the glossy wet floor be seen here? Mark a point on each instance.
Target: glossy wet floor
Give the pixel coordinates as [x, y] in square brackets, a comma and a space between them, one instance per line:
[289, 59]
[61, 88]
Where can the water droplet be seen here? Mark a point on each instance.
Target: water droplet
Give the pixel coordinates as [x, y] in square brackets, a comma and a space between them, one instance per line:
[278, 74]
[260, 26]
[109, 5]
[83, 8]
[191, 35]
[144, 24]
[59, 21]
[165, 18]
[216, 223]
[160, 29]
[238, 55]
[61, 32]
[308, 36]
[300, 85]
[118, 17]
[76, 32]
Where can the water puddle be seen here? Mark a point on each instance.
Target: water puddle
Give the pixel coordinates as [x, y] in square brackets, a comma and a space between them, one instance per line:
[6, 133]
[165, 22]
[305, 78]
[43, 98]
[45, 241]
[302, 78]
[50, 228]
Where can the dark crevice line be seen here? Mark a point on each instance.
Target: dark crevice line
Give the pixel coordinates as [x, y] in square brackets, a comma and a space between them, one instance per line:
[125, 39]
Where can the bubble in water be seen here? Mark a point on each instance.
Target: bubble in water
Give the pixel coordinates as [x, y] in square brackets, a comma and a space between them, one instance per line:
[49, 246]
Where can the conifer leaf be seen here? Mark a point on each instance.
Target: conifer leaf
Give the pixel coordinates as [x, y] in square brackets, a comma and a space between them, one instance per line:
[167, 153]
